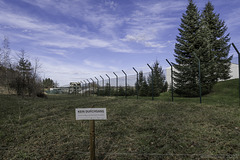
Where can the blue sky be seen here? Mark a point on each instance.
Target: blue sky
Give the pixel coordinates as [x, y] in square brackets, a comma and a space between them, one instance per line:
[80, 39]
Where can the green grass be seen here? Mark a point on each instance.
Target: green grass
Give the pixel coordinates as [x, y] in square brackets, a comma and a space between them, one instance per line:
[224, 93]
[135, 129]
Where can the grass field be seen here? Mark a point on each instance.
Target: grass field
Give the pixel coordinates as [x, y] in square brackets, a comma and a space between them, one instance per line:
[135, 129]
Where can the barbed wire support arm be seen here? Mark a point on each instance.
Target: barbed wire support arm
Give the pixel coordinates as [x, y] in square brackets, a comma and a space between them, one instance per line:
[171, 77]
[116, 82]
[152, 80]
[137, 82]
[125, 83]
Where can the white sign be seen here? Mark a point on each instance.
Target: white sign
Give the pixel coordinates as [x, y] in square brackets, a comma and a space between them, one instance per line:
[91, 114]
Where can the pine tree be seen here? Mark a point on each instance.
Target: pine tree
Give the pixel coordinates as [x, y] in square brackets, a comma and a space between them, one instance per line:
[201, 37]
[218, 41]
[144, 90]
[24, 69]
[48, 83]
[207, 64]
[143, 86]
[158, 80]
[186, 65]
[121, 91]
[140, 79]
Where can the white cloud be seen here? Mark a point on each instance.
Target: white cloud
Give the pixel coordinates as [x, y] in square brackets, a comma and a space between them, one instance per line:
[111, 4]
[162, 7]
[47, 34]
[93, 64]
[233, 19]
[23, 22]
[148, 26]
[58, 52]
[143, 26]
[65, 72]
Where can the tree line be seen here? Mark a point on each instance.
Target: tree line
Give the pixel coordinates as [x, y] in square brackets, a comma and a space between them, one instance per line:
[20, 75]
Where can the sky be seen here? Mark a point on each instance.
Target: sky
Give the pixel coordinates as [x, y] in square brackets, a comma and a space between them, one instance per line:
[76, 40]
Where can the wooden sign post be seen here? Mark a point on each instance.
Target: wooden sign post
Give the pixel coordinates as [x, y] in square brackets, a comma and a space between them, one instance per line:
[91, 114]
[92, 140]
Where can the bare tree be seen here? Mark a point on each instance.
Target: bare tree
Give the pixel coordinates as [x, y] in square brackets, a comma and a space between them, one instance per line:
[6, 53]
[36, 80]
[5, 63]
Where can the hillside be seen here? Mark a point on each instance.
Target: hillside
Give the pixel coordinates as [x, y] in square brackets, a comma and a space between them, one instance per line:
[224, 93]
[135, 129]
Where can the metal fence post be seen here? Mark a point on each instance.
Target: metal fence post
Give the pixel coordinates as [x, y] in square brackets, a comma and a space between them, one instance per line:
[109, 85]
[152, 79]
[125, 83]
[238, 69]
[89, 85]
[137, 81]
[93, 85]
[171, 77]
[97, 86]
[116, 82]
[199, 78]
[85, 87]
[103, 85]
[81, 88]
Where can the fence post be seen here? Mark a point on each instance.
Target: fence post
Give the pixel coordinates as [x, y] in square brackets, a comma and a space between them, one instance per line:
[89, 85]
[103, 85]
[238, 69]
[152, 79]
[97, 86]
[74, 88]
[199, 78]
[137, 81]
[93, 85]
[171, 77]
[92, 139]
[125, 83]
[109, 85]
[81, 88]
[85, 87]
[116, 82]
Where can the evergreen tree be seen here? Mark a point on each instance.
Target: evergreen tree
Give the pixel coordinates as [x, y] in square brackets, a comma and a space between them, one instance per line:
[121, 91]
[143, 86]
[140, 80]
[158, 80]
[23, 80]
[218, 41]
[144, 90]
[207, 58]
[186, 65]
[48, 83]
[165, 87]
[201, 37]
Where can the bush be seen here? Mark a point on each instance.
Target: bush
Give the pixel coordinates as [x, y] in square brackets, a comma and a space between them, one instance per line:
[41, 95]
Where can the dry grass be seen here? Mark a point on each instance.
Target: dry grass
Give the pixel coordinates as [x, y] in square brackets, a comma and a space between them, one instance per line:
[135, 129]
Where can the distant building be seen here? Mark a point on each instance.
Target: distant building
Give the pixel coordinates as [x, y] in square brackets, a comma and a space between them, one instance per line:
[73, 88]
[233, 73]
